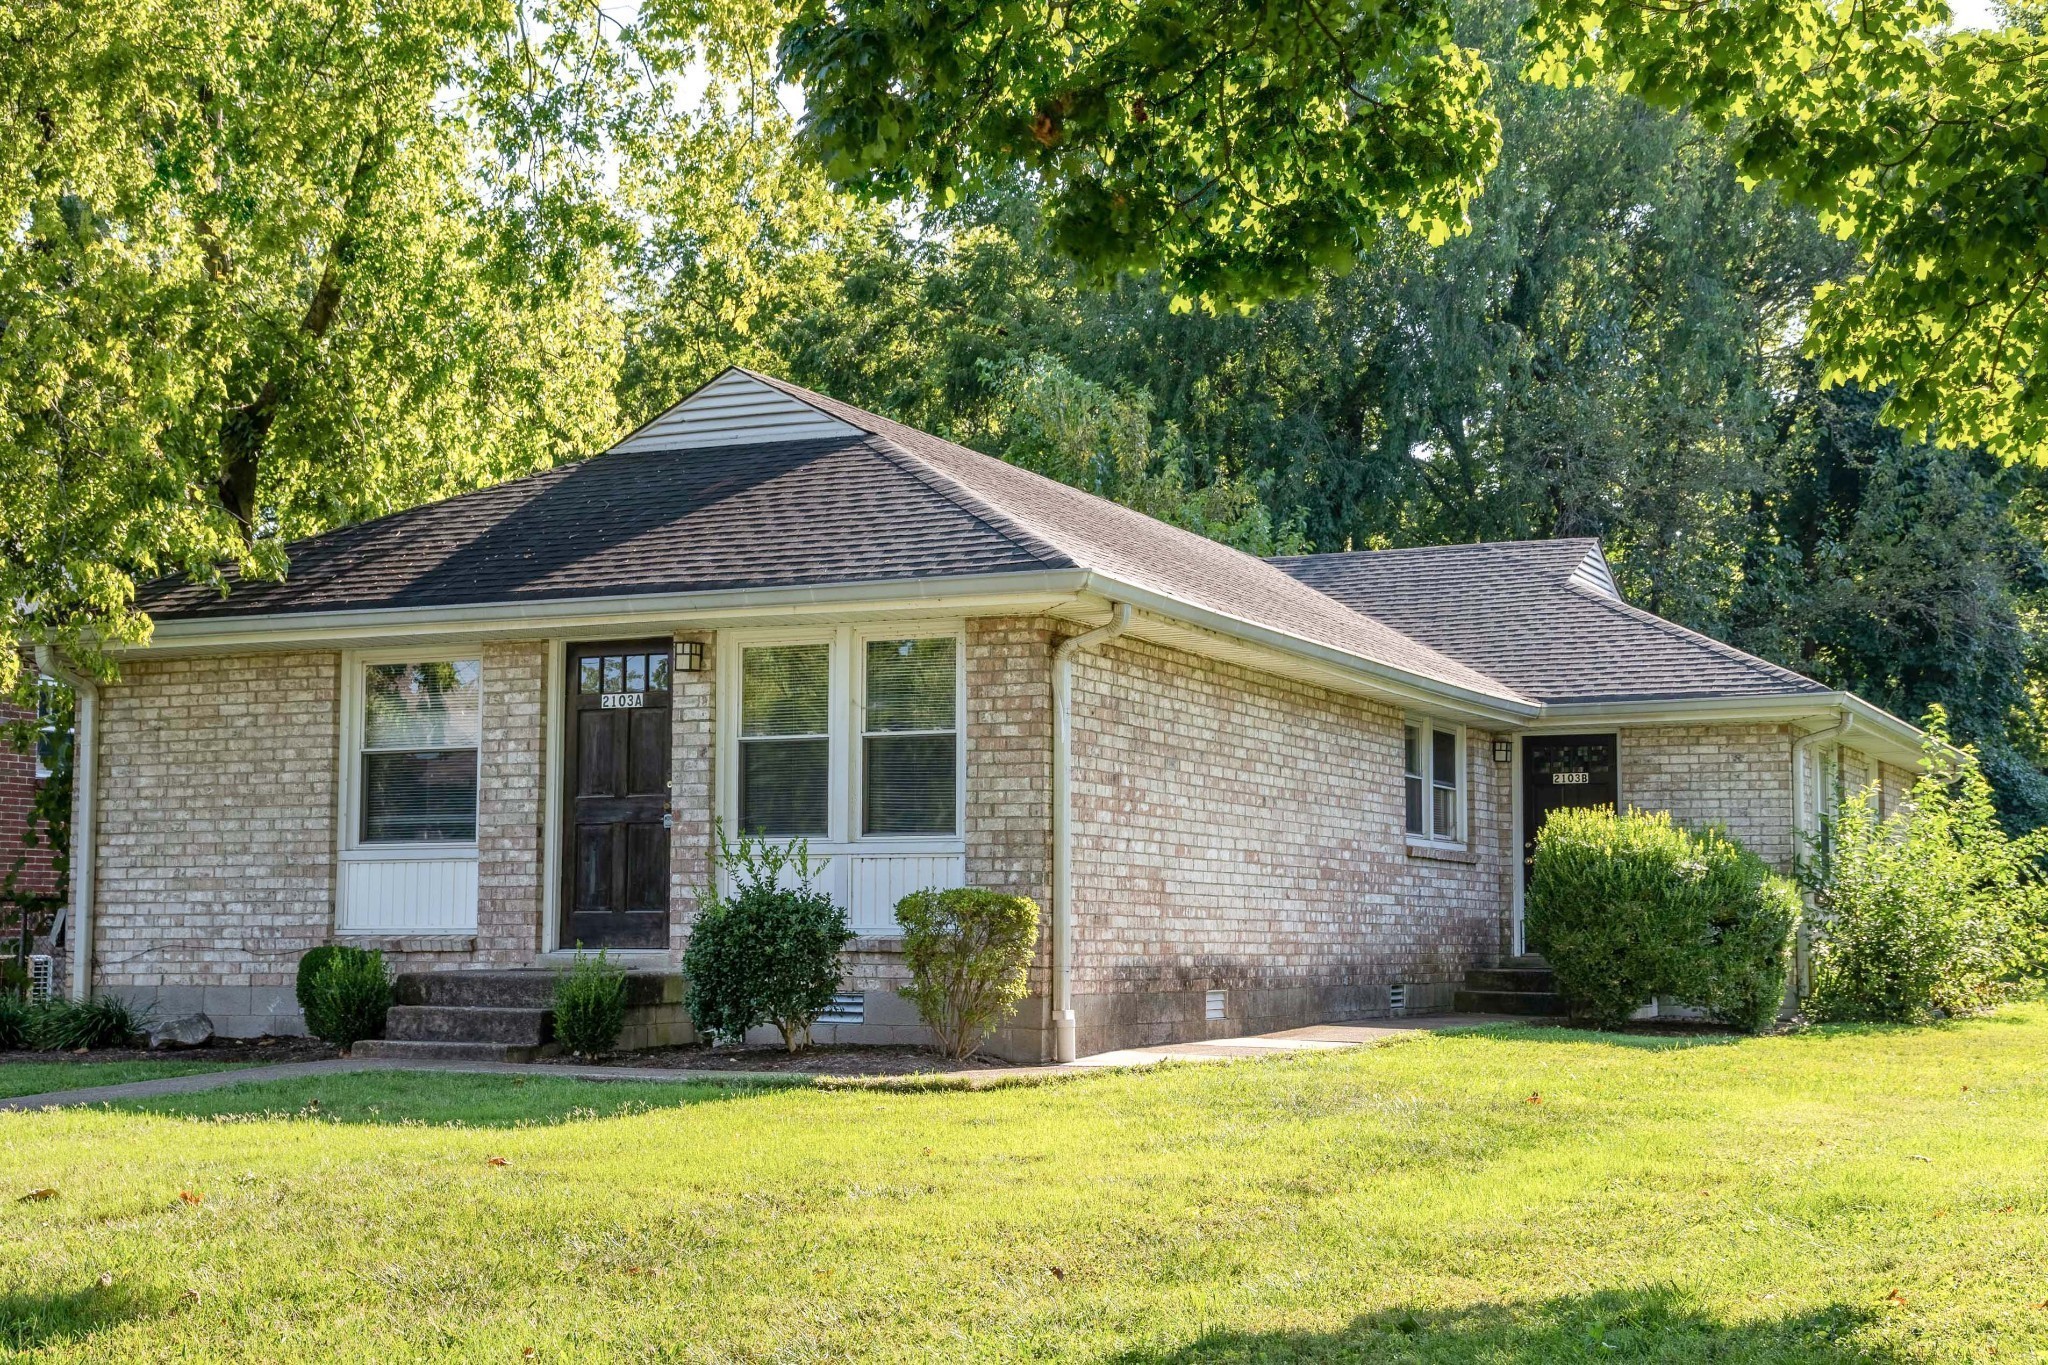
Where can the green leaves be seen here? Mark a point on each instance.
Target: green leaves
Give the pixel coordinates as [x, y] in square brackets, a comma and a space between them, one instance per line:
[1237, 147]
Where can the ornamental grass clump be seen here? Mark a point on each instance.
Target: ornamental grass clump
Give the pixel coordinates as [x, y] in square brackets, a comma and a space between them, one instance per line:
[347, 995]
[1629, 907]
[1931, 911]
[590, 1005]
[767, 950]
[100, 1021]
[968, 951]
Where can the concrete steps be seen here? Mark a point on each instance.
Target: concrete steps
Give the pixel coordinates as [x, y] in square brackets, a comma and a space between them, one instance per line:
[509, 1015]
[421, 1050]
[1521, 985]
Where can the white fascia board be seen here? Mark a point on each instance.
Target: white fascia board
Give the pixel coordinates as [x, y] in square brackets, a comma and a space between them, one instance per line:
[966, 595]
[1874, 729]
[1336, 667]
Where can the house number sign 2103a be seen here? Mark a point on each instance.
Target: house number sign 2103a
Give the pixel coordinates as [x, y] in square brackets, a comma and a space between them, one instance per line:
[1570, 779]
[623, 701]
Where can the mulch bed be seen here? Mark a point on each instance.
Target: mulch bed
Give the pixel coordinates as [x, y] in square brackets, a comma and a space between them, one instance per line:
[816, 1061]
[267, 1051]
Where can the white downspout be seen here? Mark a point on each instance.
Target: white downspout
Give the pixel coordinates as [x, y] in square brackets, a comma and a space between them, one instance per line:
[1063, 824]
[84, 839]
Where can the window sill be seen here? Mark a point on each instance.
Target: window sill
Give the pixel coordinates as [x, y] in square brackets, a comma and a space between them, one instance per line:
[875, 943]
[454, 941]
[394, 853]
[1442, 853]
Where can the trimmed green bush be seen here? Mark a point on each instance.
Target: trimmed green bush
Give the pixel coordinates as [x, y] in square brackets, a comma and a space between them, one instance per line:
[309, 967]
[1933, 911]
[768, 952]
[590, 1005]
[348, 996]
[102, 1021]
[1631, 907]
[968, 951]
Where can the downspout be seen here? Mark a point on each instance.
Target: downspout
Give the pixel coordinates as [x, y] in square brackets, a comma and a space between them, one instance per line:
[84, 840]
[1800, 748]
[1063, 823]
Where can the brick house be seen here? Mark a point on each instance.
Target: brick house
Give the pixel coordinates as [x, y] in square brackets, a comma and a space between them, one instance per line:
[21, 778]
[1248, 794]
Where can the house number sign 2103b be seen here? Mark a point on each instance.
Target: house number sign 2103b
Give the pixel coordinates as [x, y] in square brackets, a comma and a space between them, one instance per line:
[1564, 779]
[623, 701]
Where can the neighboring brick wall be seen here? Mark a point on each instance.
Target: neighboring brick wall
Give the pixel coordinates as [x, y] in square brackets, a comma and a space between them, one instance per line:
[216, 823]
[693, 789]
[18, 785]
[1239, 831]
[509, 802]
[1894, 785]
[1738, 777]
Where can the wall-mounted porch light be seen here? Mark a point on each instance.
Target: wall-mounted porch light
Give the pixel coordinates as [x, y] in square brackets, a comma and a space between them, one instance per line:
[1503, 751]
[689, 656]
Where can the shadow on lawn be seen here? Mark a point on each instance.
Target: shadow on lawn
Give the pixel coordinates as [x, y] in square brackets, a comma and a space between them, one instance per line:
[1642, 1041]
[1620, 1325]
[29, 1322]
[440, 1098]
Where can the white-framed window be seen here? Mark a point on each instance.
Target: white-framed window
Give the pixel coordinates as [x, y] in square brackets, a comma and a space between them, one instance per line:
[417, 725]
[1433, 781]
[848, 736]
[50, 739]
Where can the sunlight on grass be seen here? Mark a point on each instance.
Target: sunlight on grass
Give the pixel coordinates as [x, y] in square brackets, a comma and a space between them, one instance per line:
[1509, 1195]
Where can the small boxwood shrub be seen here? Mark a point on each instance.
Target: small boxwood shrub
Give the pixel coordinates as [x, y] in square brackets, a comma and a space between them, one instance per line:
[968, 951]
[768, 952]
[1629, 907]
[348, 996]
[590, 1005]
[309, 967]
[1932, 911]
[101, 1021]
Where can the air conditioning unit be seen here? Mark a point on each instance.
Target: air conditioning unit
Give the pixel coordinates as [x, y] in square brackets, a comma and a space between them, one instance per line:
[42, 976]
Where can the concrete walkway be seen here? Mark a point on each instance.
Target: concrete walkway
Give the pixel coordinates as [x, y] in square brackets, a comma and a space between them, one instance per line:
[1315, 1038]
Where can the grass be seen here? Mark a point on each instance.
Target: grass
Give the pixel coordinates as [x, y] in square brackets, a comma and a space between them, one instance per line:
[37, 1078]
[1870, 1195]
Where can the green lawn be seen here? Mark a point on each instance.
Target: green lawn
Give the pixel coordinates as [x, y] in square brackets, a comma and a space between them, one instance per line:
[36, 1078]
[1511, 1196]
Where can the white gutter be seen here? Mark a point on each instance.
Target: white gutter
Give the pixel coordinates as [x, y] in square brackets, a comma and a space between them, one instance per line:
[1800, 748]
[1063, 824]
[84, 839]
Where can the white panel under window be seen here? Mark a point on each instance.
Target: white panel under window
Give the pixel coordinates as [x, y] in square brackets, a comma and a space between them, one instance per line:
[401, 895]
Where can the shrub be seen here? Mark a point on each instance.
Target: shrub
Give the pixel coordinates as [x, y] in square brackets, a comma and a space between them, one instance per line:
[766, 953]
[968, 951]
[590, 1005]
[309, 967]
[1630, 907]
[348, 997]
[101, 1021]
[1933, 911]
[16, 1014]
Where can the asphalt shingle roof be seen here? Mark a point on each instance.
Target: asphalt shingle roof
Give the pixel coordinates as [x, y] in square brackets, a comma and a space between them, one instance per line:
[893, 503]
[1513, 611]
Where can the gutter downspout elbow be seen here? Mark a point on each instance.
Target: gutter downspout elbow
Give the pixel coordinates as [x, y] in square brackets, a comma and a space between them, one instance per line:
[84, 837]
[1063, 823]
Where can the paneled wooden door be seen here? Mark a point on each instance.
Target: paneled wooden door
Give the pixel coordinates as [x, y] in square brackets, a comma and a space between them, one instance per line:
[615, 869]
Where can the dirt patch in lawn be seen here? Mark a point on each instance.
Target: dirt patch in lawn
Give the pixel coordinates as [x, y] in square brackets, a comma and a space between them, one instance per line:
[816, 1061]
[267, 1051]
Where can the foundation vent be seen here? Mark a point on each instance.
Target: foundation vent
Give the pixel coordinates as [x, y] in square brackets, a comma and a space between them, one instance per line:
[1216, 1005]
[41, 977]
[848, 1007]
[1397, 998]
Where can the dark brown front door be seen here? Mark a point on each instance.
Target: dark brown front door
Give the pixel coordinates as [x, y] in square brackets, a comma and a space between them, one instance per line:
[1563, 772]
[615, 892]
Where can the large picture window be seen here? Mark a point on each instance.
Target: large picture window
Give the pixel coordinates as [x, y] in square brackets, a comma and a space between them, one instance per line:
[421, 724]
[910, 741]
[785, 767]
[1434, 782]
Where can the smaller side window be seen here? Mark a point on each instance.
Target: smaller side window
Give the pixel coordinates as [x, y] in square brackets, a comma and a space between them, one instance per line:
[1443, 781]
[1434, 782]
[1414, 780]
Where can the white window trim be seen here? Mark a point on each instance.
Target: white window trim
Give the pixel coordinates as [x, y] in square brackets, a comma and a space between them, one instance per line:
[349, 794]
[43, 682]
[1429, 837]
[847, 708]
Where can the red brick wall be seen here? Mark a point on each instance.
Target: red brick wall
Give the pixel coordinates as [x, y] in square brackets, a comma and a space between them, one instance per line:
[17, 793]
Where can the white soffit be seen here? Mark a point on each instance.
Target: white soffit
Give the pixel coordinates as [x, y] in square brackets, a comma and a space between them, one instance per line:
[736, 410]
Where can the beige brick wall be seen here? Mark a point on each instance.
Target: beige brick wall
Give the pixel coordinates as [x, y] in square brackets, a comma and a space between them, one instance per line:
[1239, 831]
[216, 832]
[1736, 776]
[693, 789]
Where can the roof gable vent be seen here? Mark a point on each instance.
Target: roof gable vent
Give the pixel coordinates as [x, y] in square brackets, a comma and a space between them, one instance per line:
[1594, 576]
[736, 409]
